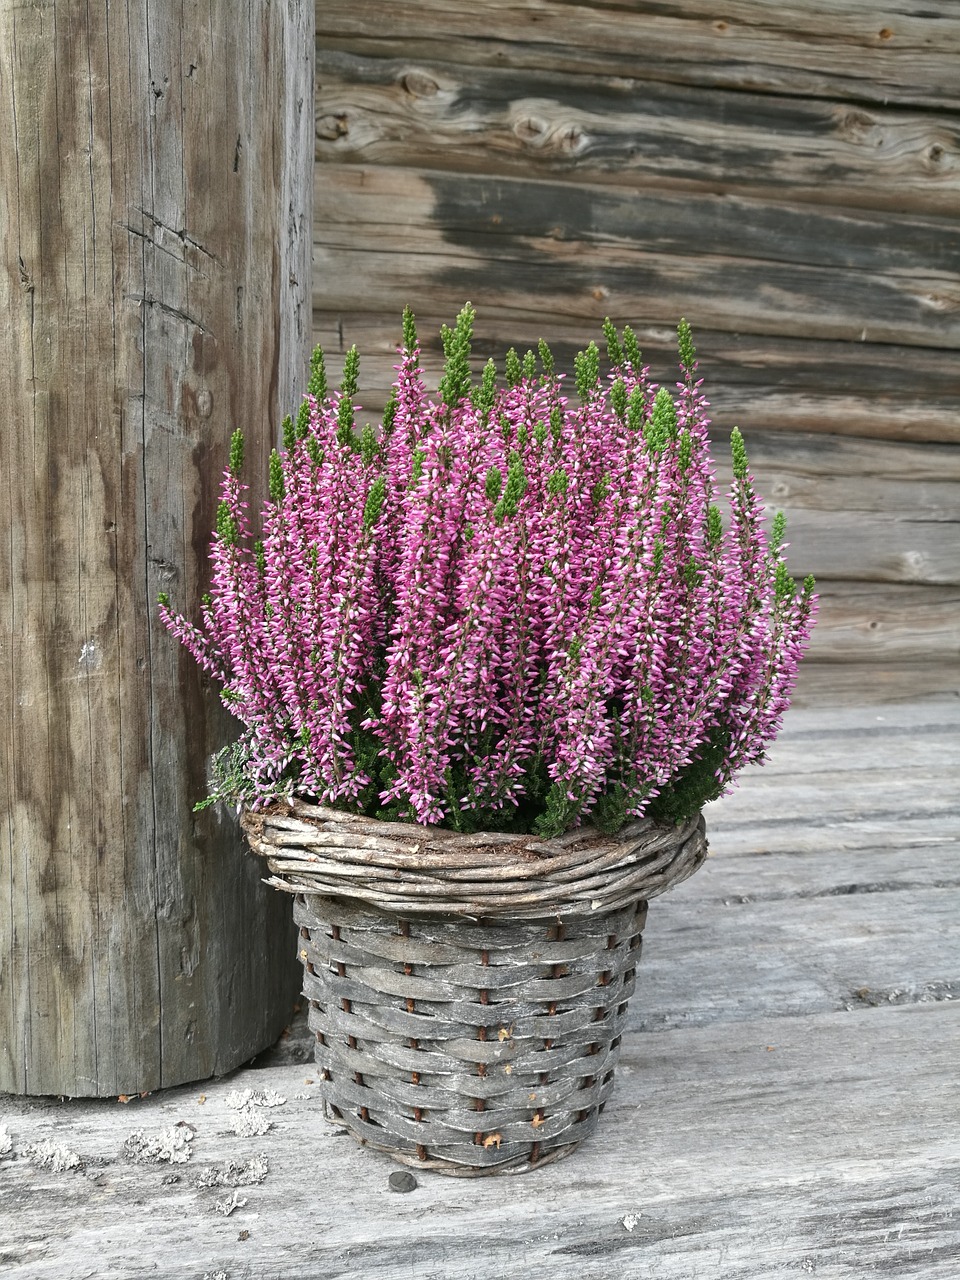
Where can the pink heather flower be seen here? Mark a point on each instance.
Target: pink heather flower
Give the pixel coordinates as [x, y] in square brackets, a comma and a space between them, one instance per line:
[506, 606]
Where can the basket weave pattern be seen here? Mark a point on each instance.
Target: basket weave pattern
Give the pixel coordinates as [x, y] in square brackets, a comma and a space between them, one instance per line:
[468, 993]
[467, 1046]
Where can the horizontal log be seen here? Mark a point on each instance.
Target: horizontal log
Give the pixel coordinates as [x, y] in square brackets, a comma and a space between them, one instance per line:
[866, 622]
[799, 470]
[850, 547]
[834, 684]
[843, 49]
[521, 122]
[392, 236]
[762, 384]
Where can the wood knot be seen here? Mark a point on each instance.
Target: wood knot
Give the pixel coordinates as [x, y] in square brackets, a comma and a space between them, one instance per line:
[331, 127]
[886, 33]
[419, 85]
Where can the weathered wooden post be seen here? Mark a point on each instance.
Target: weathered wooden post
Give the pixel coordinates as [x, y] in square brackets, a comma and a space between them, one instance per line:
[156, 165]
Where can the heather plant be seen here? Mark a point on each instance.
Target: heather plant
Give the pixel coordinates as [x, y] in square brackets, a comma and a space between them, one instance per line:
[506, 609]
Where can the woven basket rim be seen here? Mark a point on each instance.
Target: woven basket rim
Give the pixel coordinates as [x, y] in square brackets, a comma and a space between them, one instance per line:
[409, 868]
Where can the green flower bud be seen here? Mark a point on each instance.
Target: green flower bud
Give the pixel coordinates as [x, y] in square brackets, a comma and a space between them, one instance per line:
[618, 398]
[614, 349]
[546, 357]
[276, 477]
[513, 369]
[631, 349]
[739, 453]
[409, 331]
[287, 433]
[587, 370]
[351, 373]
[236, 453]
[374, 504]
[688, 352]
[317, 385]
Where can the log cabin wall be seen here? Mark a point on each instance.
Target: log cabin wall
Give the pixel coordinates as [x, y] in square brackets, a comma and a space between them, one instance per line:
[785, 176]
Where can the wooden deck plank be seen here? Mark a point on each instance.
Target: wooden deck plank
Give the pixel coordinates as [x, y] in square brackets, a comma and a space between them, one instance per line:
[750, 1149]
[786, 1101]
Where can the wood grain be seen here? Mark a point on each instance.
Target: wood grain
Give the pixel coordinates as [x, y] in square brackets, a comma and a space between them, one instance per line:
[839, 49]
[631, 132]
[155, 215]
[523, 247]
[747, 1136]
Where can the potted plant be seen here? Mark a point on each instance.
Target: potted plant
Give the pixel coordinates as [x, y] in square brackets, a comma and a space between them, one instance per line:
[490, 662]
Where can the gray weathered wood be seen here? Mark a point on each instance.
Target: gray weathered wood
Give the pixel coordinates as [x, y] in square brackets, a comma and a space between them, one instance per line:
[848, 49]
[155, 189]
[525, 247]
[784, 1104]
[629, 131]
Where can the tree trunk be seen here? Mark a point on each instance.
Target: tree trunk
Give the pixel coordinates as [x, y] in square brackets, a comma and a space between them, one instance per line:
[155, 180]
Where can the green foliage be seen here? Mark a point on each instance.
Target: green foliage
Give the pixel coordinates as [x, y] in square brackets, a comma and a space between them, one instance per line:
[741, 468]
[164, 599]
[600, 490]
[614, 349]
[714, 525]
[369, 444]
[457, 342]
[688, 352]
[410, 340]
[374, 503]
[618, 398]
[586, 366]
[784, 586]
[287, 433]
[512, 368]
[556, 423]
[631, 349]
[693, 787]
[514, 490]
[485, 394]
[276, 476]
[226, 525]
[778, 532]
[558, 483]
[417, 467]
[635, 410]
[236, 453]
[662, 426]
[684, 450]
[530, 366]
[390, 412]
[302, 425]
[345, 435]
[317, 383]
[546, 358]
[351, 373]
[494, 484]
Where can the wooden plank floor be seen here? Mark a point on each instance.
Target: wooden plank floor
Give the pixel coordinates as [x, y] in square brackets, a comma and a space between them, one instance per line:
[787, 1101]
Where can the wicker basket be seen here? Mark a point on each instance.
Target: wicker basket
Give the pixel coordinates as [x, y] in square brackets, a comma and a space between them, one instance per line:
[468, 993]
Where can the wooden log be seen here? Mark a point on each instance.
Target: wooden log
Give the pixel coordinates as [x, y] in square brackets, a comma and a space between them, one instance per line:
[154, 205]
[631, 132]
[866, 622]
[835, 684]
[835, 49]
[525, 248]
